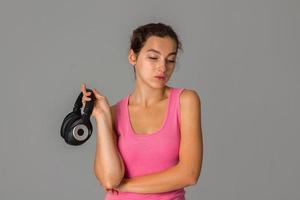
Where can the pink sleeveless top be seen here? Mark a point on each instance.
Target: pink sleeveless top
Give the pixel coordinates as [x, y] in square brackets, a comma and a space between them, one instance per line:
[148, 153]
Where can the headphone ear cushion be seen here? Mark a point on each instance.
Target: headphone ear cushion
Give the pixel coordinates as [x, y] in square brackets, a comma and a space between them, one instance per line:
[72, 134]
[69, 119]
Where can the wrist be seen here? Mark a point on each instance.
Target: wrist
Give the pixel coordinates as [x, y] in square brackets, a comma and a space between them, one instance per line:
[103, 119]
[102, 115]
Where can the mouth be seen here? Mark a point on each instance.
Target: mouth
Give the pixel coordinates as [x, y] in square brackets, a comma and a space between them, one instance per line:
[161, 77]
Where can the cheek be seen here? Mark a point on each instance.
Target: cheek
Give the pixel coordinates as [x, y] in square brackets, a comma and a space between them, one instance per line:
[150, 63]
[147, 65]
[145, 68]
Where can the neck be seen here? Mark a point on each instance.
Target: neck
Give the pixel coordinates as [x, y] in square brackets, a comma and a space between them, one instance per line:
[145, 96]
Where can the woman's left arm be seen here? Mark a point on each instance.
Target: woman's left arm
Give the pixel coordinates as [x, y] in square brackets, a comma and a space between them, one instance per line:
[187, 171]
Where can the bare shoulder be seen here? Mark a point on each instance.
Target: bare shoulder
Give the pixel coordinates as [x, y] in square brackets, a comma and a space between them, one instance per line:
[190, 98]
[190, 107]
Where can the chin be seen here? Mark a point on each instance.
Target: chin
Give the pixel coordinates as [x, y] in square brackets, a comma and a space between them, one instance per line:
[159, 85]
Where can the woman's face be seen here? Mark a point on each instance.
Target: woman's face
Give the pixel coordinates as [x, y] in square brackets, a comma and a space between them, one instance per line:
[155, 62]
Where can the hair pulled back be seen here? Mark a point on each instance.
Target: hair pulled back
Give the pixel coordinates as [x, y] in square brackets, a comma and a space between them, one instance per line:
[142, 33]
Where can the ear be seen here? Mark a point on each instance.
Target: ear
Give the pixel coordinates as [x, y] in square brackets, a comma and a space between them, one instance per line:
[132, 57]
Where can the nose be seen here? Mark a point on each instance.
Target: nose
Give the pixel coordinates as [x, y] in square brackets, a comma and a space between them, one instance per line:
[163, 66]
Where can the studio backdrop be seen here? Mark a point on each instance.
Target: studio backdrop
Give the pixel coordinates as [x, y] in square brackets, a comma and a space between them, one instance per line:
[241, 56]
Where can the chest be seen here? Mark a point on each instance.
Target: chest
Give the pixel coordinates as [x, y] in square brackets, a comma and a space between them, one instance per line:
[148, 120]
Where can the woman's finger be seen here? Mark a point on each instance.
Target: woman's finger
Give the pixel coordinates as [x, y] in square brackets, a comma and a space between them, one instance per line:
[83, 88]
[86, 98]
[97, 94]
[115, 191]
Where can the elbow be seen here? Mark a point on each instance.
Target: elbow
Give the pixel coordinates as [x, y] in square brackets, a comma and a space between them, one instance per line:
[190, 175]
[109, 181]
[193, 178]
[113, 181]
[193, 181]
[110, 184]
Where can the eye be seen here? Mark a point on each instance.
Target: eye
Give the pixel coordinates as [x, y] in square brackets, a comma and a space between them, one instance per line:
[153, 58]
[172, 61]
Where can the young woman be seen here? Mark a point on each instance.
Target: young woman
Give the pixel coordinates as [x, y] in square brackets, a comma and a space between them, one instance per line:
[149, 144]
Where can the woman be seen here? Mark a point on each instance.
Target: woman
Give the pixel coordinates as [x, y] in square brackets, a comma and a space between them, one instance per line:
[149, 144]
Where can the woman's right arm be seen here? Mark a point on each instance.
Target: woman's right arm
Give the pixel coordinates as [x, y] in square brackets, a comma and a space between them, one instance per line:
[108, 165]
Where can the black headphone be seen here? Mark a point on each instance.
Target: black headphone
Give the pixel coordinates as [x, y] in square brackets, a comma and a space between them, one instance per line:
[77, 128]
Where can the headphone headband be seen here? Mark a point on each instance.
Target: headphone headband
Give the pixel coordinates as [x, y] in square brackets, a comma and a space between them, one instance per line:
[88, 109]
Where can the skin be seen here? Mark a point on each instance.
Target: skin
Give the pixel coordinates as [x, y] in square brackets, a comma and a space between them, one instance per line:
[147, 106]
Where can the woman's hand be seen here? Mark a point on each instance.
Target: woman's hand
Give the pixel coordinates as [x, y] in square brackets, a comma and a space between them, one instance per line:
[101, 105]
[113, 191]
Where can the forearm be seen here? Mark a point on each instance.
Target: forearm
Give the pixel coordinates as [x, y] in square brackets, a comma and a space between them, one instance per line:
[108, 165]
[167, 180]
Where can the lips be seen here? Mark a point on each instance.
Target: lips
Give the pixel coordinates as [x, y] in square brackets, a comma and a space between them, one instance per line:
[160, 77]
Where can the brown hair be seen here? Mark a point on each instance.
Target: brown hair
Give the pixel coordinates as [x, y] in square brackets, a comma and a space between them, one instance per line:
[142, 33]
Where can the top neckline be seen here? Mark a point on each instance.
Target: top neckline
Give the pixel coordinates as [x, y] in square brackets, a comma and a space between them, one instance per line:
[132, 131]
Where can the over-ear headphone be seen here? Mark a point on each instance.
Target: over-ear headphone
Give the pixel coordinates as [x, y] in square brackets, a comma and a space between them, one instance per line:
[77, 128]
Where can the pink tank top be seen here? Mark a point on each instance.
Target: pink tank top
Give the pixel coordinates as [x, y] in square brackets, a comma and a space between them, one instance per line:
[148, 153]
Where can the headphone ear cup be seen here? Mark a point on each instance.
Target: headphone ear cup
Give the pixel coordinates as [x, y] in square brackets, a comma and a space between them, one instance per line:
[66, 123]
[78, 131]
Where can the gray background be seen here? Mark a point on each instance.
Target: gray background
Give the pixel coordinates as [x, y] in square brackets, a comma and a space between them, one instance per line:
[242, 56]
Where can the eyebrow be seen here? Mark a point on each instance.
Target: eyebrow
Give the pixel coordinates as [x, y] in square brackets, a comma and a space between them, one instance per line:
[172, 53]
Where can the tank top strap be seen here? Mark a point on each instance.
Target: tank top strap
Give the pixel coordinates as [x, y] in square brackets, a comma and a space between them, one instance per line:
[120, 119]
[175, 103]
